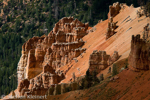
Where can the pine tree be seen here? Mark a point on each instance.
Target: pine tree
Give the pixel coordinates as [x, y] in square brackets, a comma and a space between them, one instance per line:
[101, 77]
[94, 78]
[114, 71]
[88, 79]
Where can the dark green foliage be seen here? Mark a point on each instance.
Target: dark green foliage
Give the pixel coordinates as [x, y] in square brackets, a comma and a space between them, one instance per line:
[95, 80]
[109, 71]
[68, 89]
[89, 80]
[114, 71]
[126, 66]
[101, 77]
[82, 84]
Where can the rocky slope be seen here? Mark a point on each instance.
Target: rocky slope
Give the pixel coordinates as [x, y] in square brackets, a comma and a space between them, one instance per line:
[58, 53]
[128, 24]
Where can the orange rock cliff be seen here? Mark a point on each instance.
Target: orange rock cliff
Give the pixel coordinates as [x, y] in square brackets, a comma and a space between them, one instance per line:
[43, 56]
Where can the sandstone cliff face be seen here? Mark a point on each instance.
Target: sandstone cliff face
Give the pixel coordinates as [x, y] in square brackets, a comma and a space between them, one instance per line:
[43, 56]
[139, 56]
[99, 60]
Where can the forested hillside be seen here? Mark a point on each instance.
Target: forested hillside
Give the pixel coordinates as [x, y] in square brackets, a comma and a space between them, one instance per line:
[21, 20]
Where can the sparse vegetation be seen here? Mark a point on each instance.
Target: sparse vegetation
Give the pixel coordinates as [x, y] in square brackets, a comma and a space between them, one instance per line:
[89, 80]
[101, 77]
[147, 8]
[114, 71]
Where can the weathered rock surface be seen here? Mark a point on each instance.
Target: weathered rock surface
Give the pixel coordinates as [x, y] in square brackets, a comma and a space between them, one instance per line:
[139, 57]
[113, 58]
[111, 28]
[43, 56]
[23, 85]
[99, 60]
[114, 9]
[140, 12]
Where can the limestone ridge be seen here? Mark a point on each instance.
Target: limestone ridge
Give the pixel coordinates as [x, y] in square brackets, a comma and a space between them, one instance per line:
[46, 54]
[99, 60]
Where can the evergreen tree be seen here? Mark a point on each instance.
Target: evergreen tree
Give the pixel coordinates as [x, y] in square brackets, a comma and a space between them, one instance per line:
[94, 78]
[88, 79]
[114, 71]
[101, 77]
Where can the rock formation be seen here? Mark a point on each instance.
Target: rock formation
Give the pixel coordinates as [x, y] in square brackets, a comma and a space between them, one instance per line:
[140, 12]
[113, 58]
[114, 9]
[139, 56]
[43, 56]
[99, 60]
[111, 28]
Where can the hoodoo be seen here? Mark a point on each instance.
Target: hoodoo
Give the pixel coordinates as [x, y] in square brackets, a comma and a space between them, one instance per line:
[139, 57]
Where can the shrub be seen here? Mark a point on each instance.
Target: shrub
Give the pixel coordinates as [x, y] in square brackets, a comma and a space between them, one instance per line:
[102, 77]
[114, 71]
[68, 89]
[94, 78]
[126, 66]
[109, 71]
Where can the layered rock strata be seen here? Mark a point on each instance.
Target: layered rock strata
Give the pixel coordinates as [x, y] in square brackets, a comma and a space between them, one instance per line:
[43, 56]
[99, 60]
[139, 56]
